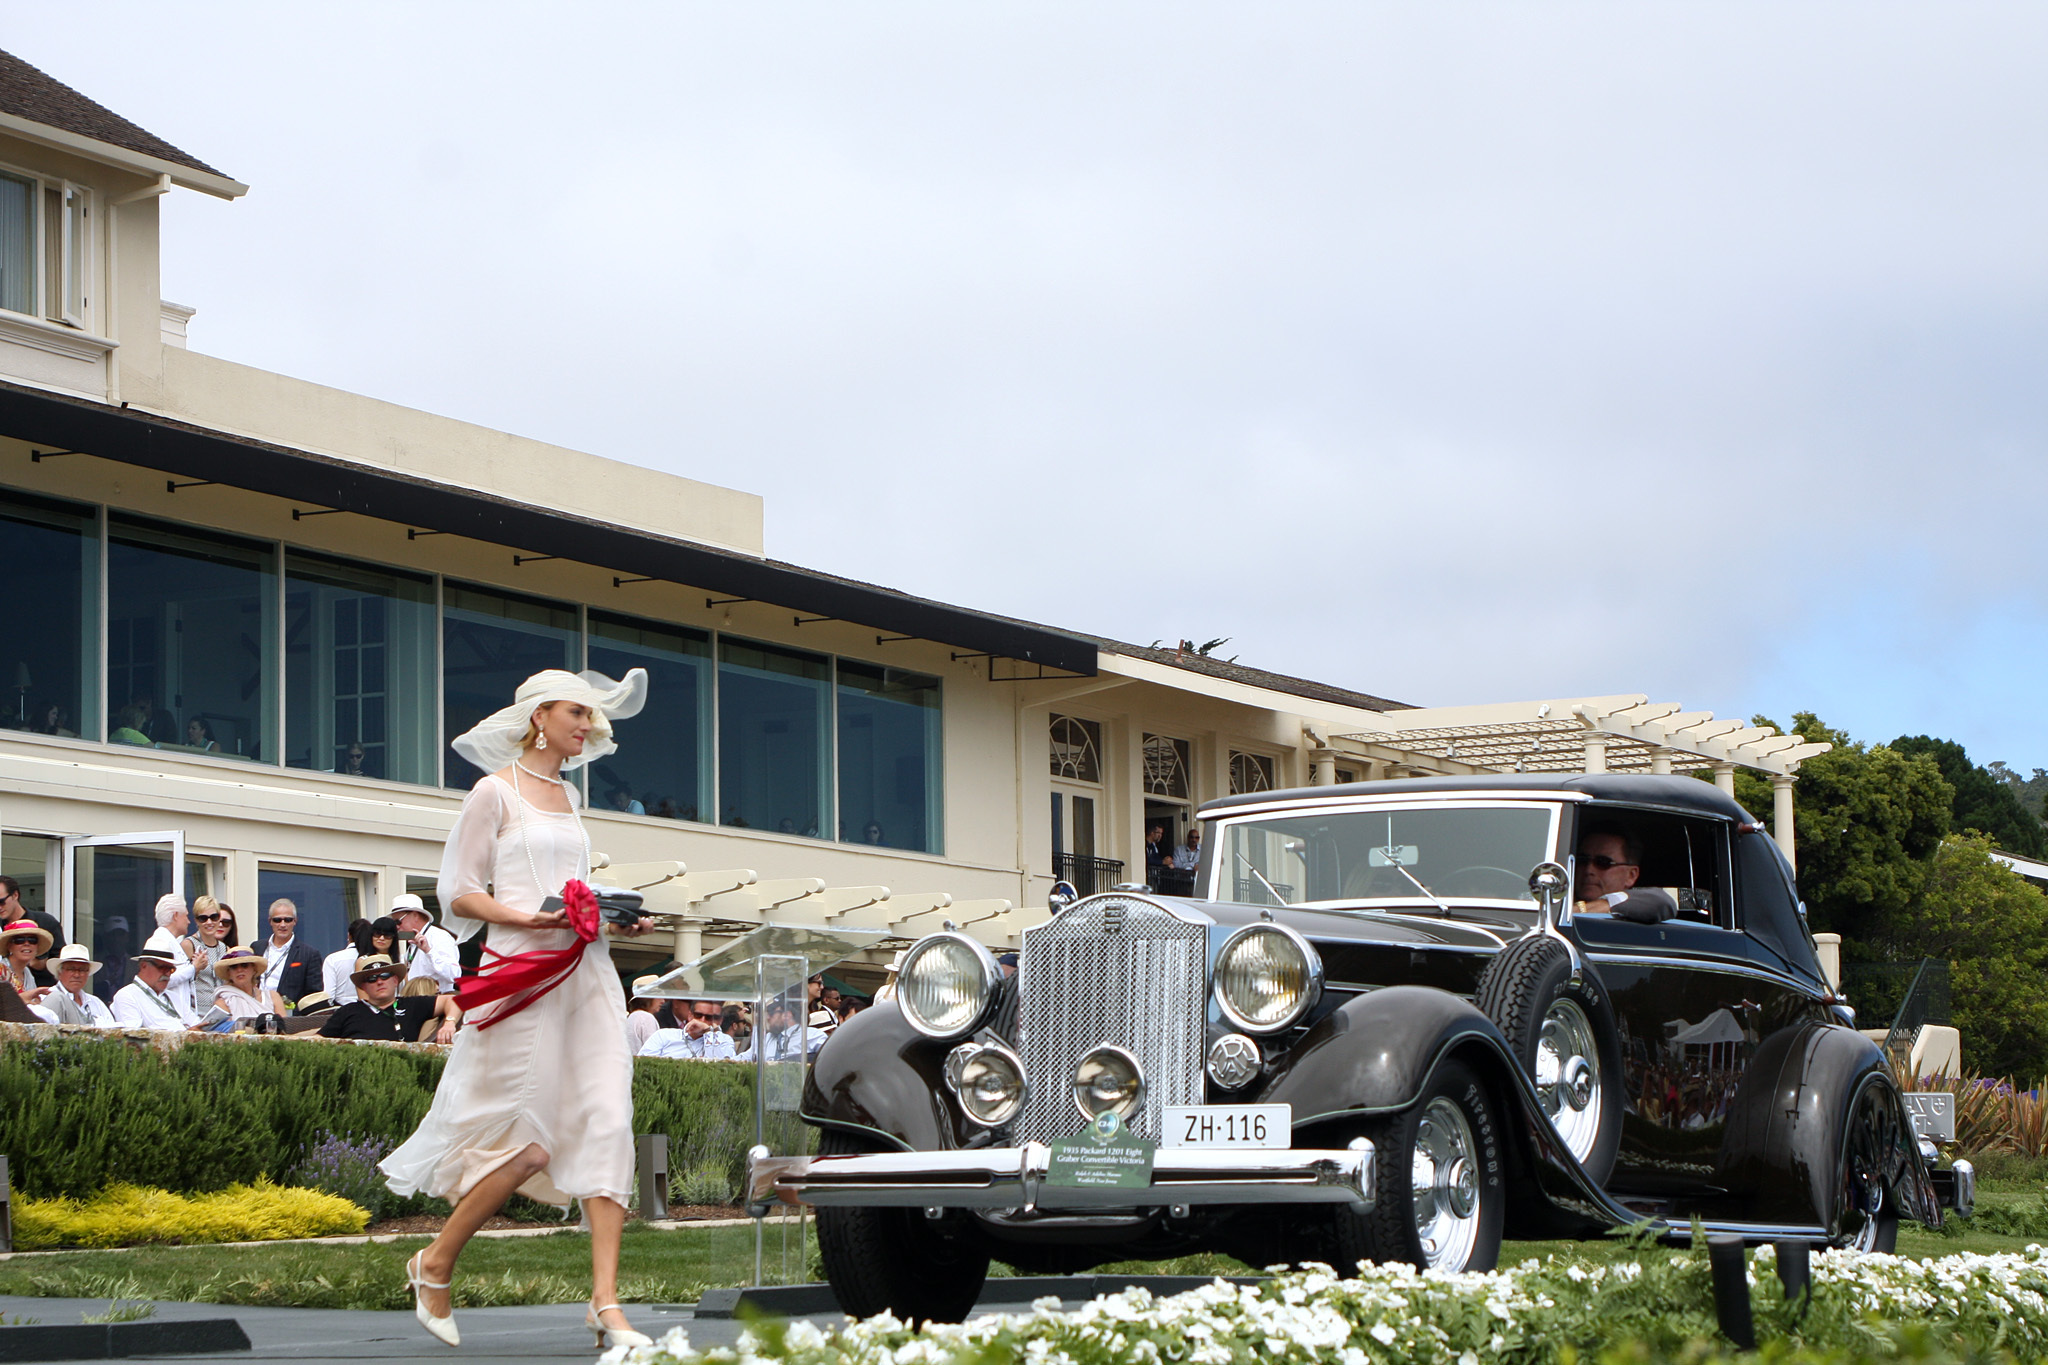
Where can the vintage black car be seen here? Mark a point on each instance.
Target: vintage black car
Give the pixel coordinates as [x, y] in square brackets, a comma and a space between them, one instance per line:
[1392, 1031]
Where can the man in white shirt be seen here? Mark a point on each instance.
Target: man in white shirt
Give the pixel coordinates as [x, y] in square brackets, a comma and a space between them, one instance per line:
[142, 1003]
[340, 965]
[699, 1037]
[783, 1040]
[172, 920]
[432, 952]
[72, 1002]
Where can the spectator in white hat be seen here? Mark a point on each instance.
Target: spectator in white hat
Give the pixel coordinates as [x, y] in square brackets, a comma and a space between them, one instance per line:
[144, 1002]
[432, 954]
[640, 1021]
[72, 1002]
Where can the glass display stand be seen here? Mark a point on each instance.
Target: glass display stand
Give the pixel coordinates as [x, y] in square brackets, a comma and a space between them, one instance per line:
[771, 963]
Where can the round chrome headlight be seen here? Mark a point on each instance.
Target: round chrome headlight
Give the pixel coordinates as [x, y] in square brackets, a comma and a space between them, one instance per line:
[988, 1081]
[946, 985]
[1108, 1080]
[1267, 976]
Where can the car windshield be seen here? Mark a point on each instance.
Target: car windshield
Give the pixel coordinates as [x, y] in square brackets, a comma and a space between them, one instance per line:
[1436, 854]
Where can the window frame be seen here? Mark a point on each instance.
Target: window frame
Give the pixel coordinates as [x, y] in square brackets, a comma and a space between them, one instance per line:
[64, 251]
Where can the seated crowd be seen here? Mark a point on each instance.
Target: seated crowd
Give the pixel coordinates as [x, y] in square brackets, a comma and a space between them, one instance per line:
[394, 981]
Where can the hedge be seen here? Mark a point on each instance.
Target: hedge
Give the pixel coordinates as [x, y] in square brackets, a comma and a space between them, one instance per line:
[80, 1113]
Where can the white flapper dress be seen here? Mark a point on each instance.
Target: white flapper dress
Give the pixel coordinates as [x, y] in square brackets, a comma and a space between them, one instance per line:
[555, 1073]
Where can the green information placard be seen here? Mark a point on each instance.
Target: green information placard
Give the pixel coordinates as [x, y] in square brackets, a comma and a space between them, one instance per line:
[1106, 1155]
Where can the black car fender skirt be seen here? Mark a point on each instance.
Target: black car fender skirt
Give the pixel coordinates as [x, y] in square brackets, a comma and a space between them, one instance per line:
[878, 1076]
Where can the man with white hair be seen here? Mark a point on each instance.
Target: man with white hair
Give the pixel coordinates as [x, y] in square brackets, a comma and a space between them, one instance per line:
[172, 920]
[290, 967]
[432, 953]
[143, 1002]
[72, 1002]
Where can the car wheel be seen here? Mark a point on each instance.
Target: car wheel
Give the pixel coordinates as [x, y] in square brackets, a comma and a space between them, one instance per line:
[1439, 1197]
[896, 1259]
[1564, 1037]
[1870, 1212]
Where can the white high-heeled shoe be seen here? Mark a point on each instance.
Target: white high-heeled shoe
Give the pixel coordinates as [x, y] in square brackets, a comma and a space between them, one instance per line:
[441, 1329]
[612, 1336]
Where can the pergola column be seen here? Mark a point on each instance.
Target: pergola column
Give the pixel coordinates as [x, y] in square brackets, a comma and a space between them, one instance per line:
[1781, 817]
[1660, 761]
[1724, 777]
[1325, 769]
[1596, 753]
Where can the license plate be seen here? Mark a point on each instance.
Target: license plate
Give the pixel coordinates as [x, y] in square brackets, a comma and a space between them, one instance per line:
[1933, 1114]
[1228, 1125]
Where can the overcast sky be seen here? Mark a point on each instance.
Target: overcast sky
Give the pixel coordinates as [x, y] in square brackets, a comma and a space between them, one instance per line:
[1453, 353]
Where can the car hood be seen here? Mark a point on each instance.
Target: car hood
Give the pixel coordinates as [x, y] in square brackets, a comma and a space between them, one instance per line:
[1483, 928]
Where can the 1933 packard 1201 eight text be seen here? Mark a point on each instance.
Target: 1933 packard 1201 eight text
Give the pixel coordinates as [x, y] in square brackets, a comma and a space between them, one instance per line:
[1398, 1026]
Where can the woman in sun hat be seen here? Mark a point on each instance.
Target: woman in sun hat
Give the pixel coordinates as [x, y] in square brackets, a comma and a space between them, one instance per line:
[25, 942]
[536, 1097]
[241, 993]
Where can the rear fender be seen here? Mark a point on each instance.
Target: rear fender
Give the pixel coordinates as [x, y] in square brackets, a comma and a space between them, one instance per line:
[1782, 1151]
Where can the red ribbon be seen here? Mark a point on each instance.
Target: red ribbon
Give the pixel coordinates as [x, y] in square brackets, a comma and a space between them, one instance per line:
[523, 978]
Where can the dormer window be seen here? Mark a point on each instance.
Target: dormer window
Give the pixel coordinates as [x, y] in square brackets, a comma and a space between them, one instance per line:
[46, 248]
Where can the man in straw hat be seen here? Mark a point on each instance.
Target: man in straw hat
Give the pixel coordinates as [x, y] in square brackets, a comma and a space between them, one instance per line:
[432, 955]
[73, 1002]
[145, 1001]
[378, 1012]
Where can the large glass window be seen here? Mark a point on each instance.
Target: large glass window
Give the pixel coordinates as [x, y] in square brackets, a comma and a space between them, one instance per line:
[49, 638]
[774, 712]
[663, 765]
[191, 640]
[490, 643]
[358, 670]
[17, 243]
[889, 775]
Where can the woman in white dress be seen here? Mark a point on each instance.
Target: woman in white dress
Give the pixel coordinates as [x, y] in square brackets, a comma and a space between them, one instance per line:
[537, 1094]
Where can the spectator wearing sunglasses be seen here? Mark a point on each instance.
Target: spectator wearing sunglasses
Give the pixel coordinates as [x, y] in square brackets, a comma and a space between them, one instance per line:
[208, 944]
[291, 968]
[12, 909]
[340, 965]
[1610, 861]
[379, 1012]
[698, 1037]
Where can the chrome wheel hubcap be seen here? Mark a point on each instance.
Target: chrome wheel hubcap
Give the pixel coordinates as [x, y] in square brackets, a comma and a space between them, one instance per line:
[1568, 1076]
[1444, 1179]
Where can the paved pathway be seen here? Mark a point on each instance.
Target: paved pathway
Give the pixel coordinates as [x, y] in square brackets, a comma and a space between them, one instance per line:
[545, 1332]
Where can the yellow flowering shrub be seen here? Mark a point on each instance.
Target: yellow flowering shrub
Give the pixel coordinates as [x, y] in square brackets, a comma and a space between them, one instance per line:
[128, 1215]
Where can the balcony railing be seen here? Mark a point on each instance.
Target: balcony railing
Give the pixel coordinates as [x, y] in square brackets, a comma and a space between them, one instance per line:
[1089, 875]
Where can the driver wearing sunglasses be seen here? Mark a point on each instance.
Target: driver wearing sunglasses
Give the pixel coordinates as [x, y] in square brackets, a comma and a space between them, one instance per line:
[1609, 862]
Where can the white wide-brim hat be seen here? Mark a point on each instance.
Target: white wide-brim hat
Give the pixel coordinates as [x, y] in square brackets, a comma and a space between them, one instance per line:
[76, 952]
[495, 741]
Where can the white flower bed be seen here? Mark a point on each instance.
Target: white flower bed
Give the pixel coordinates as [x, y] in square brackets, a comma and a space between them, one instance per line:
[1394, 1313]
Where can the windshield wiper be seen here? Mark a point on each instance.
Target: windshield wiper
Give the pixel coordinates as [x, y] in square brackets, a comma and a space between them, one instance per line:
[1278, 898]
[1441, 904]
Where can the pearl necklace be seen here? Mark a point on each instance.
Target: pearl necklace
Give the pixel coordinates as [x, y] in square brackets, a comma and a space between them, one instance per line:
[525, 843]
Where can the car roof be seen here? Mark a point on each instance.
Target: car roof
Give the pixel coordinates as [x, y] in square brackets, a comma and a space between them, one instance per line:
[1672, 793]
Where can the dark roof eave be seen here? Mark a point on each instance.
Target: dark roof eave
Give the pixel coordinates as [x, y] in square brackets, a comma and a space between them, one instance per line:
[151, 441]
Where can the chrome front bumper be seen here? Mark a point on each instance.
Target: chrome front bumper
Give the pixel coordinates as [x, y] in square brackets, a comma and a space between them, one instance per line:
[1015, 1178]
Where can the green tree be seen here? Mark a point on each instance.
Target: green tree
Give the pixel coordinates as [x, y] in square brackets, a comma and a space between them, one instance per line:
[1868, 819]
[1982, 802]
[1991, 926]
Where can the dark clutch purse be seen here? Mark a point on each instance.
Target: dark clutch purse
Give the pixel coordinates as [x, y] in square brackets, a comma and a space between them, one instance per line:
[618, 905]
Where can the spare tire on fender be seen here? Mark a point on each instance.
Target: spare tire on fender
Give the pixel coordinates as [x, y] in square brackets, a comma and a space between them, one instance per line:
[1565, 1038]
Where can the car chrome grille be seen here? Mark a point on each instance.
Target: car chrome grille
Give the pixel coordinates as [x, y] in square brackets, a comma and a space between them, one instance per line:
[1112, 969]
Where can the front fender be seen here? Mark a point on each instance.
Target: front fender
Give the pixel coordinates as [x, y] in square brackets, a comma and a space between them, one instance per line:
[1372, 1054]
[878, 1076]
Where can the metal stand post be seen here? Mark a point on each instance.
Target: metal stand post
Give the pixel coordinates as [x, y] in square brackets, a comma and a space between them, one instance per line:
[651, 1149]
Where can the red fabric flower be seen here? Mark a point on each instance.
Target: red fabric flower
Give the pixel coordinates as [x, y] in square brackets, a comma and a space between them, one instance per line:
[579, 903]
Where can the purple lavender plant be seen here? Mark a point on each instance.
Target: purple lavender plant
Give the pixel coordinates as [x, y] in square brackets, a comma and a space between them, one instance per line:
[339, 1165]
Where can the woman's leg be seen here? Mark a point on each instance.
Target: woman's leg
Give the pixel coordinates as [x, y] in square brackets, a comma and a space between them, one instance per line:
[607, 1223]
[485, 1198]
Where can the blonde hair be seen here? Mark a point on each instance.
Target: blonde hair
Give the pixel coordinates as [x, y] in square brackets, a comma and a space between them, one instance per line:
[205, 905]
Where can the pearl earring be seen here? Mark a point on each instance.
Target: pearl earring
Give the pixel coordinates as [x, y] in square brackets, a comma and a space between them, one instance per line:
[543, 740]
